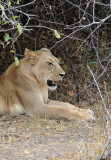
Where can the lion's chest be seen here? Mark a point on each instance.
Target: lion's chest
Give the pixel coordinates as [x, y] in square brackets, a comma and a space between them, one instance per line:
[44, 92]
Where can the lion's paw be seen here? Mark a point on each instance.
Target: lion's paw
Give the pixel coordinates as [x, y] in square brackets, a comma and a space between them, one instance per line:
[90, 114]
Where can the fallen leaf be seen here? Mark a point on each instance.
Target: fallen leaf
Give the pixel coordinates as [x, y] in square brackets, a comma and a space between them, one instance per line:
[26, 152]
[71, 93]
[10, 140]
[48, 127]
[35, 149]
[82, 152]
[71, 141]
[91, 136]
[99, 151]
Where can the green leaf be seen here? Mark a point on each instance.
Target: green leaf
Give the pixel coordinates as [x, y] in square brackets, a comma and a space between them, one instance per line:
[102, 41]
[92, 63]
[4, 22]
[17, 1]
[19, 28]
[9, 4]
[6, 37]
[2, 8]
[16, 61]
[57, 35]
[15, 17]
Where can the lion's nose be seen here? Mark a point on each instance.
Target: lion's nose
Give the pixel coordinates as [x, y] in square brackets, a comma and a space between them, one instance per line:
[62, 75]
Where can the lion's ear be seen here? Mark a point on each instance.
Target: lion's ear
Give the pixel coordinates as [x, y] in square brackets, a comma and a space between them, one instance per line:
[31, 56]
[28, 53]
[46, 50]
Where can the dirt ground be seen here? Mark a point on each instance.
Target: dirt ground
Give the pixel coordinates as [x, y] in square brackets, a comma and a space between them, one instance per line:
[35, 138]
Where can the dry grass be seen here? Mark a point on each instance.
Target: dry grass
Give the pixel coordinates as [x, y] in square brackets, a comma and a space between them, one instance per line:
[27, 138]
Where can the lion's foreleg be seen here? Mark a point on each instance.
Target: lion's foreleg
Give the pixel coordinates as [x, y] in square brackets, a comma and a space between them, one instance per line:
[80, 113]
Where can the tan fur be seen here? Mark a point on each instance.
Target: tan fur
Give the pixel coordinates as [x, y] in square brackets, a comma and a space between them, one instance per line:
[23, 88]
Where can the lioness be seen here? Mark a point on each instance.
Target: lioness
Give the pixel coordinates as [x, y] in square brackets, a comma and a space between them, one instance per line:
[24, 88]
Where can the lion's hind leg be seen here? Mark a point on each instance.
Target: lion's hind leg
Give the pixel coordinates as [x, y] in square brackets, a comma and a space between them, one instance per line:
[15, 106]
[3, 105]
[17, 109]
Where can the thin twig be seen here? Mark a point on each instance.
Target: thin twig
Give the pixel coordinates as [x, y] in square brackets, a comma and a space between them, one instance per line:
[102, 154]
[99, 91]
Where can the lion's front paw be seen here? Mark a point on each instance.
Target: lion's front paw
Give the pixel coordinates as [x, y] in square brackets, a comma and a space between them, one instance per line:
[90, 112]
[90, 115]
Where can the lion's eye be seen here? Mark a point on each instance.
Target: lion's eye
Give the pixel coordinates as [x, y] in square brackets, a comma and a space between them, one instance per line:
[51, 64]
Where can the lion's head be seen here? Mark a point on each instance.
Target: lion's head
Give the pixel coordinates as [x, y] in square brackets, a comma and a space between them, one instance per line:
[45, 67]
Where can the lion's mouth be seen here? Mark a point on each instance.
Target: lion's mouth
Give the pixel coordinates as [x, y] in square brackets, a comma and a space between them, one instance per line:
[51, 85]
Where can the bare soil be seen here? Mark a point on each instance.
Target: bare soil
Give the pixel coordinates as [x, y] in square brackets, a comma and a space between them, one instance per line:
[34, 138]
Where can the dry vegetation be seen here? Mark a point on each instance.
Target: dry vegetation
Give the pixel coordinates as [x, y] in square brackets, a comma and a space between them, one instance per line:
[24, 137]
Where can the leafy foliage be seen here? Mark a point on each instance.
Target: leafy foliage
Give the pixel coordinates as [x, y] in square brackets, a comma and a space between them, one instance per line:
[57, 35]
[16, 61]
[6, 37]
[19, 28]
